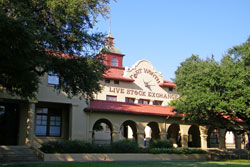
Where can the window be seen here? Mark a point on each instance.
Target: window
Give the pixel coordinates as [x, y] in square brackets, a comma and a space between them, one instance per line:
[114, 61]
[48, 122]
[129, 100]
[53, 78]
[214, 137]
[111, 98]
[2, 110]
[156, 102]
[116, 82]
[143, 101]
[170, 89]
[107, 81]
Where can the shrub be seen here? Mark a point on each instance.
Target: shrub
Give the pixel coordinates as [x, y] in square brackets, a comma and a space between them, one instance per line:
[161, 144]
[75, 146]
[177, 151]
[124, 146]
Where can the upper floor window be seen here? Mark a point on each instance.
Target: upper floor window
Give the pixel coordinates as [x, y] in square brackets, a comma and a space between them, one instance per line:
[157, 102]
[129, 100]
[143, 101]
[114, 61]
[116, 82]
[111, 98]
[107, 81]
[48, 122]
[170, 89]
[53, 78]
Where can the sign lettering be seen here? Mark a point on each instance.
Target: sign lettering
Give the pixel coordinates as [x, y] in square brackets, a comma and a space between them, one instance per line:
[145, 71]
[142, 93]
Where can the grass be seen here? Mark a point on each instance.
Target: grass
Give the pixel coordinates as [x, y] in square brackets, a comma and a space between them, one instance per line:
[231, 163]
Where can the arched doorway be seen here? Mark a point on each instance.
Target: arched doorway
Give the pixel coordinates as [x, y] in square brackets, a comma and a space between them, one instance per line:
[102, 132]
[129, 130]
[213, 138]
[151, 132]
[230, 140]
[194, 139]
[174, 134]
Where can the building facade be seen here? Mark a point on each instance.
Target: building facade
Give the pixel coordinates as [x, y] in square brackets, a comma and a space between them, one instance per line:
[133, 105]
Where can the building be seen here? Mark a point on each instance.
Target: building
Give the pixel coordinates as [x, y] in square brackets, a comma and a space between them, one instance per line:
[132, 105]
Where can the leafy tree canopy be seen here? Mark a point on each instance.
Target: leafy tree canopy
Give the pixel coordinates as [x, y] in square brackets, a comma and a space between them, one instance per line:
[216, 93]
[34, 33]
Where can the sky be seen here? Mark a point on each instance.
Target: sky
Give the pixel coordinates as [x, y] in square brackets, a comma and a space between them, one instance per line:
[166, 32]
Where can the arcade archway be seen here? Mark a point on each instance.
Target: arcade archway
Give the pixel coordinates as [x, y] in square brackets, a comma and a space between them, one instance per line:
[174, 134]
[230, 140]
[102, 132]
[151, 132]
[213, 138]
[194, 139]
[129, 130]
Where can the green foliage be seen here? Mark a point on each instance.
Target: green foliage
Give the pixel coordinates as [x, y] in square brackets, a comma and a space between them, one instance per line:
[124, 146]
[32, 32]
[76, 146]
[177, 151]
[161, 144]
[66, 147]
[216, 93]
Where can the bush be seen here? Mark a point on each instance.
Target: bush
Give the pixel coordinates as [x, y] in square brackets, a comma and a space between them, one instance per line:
[124, 146]
[177, 151]
[161, 144]
[75, 146]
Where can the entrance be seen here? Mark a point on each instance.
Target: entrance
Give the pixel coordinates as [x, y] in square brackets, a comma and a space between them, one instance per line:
[9, 123]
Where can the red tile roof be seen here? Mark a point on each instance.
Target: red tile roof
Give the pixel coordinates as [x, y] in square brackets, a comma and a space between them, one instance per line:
[116, 74]
[129, 108]
[61, 55]
[168, 84]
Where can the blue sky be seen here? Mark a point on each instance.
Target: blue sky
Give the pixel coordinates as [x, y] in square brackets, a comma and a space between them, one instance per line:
[166, 32]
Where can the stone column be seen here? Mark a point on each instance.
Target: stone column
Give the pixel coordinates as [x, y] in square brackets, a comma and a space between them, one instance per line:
[238, 141]
[222, 133]
[203, 135]
[163, 135]
[184, 139]
[140, 139]
[184, 135]
[204, 141]
[116, 136]
[30, 122]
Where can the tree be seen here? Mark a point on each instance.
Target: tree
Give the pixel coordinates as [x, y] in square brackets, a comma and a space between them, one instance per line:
[38, 36]
[216, 93]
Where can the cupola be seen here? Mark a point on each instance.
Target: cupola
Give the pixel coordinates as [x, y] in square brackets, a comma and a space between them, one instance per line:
[112, 55]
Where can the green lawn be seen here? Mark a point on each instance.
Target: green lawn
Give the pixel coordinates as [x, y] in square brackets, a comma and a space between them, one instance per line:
[231, 163]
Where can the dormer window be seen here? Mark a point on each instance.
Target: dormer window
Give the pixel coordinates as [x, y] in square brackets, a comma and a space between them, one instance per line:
[114, 61]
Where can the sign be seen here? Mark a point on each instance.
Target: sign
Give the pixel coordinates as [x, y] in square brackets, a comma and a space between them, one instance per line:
[145, 71]
[142, 93]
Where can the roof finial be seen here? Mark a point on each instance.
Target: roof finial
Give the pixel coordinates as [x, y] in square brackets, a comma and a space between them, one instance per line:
[110, 19]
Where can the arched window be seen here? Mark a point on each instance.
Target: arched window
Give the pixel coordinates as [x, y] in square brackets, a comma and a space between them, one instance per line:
[114, 61]
[214, 139]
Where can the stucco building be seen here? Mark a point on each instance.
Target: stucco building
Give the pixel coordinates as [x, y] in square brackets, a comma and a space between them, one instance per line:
[133, 104]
